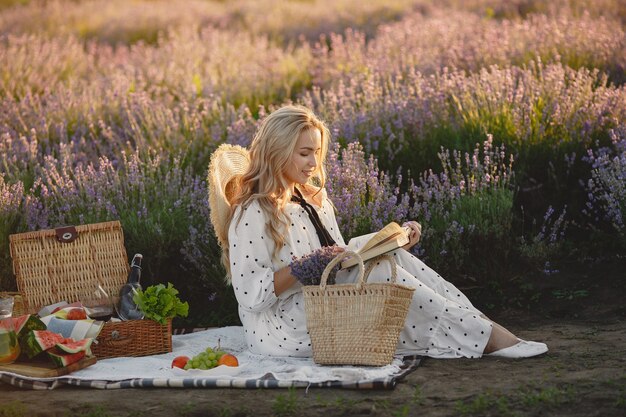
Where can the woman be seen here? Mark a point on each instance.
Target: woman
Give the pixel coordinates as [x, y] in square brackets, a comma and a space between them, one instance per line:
[278, 214]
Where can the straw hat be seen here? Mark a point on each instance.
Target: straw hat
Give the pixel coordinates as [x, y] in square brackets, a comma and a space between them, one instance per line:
[227, 163]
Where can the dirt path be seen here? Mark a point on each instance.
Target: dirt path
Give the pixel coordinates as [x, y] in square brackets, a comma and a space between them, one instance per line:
[584, 374]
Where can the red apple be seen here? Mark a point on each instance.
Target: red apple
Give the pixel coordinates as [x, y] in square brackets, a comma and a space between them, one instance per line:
[180, 361]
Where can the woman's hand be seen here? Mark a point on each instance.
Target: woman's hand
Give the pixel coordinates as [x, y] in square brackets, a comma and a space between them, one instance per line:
[314, 264]
[283, 280]
[414, 236]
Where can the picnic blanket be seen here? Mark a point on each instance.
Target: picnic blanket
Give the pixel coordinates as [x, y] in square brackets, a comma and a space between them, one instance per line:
[254, 371]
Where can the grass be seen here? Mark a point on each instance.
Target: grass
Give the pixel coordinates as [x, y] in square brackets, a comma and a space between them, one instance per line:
[187, 408]
[343, 405]
[418, 397]
[483, 403]
[95, 411]
[286, 405]
[527, 399]
[547, 397]
[403, 411]
[225, 412]
[13, 409]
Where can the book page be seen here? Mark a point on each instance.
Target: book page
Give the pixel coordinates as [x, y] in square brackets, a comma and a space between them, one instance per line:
[390, 231]
[371, 245]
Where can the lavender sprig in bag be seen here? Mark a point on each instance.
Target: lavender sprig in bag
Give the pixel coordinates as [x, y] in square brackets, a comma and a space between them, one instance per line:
[308, 269]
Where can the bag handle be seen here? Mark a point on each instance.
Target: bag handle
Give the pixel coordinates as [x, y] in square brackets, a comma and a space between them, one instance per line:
[338, 259]
[373, 262]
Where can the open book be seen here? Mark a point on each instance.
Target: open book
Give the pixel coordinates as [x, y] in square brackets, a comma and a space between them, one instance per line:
[390, 237]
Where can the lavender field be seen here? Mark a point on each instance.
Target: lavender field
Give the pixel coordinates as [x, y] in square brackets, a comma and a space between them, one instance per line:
[499, 125]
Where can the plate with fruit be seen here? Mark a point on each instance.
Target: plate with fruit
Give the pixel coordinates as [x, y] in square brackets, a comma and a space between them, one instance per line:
[209, 362]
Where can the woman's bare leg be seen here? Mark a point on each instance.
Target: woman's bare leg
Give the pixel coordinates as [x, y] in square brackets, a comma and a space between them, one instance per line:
[500, 338]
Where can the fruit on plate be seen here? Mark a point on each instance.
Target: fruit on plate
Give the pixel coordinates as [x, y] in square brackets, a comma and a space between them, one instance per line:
[180, 362]
[228, 360]
[61, 358]
[76, 314]
[210, 358]
[37, 341]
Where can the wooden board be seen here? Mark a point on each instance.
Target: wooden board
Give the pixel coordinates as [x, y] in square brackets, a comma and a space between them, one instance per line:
[46, 369]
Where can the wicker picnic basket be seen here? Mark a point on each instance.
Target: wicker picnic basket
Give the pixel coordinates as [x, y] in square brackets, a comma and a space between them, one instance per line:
[356, 324]
[65, 264]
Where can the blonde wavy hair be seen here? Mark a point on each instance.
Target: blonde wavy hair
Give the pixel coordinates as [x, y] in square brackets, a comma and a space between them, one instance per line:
[270, 154]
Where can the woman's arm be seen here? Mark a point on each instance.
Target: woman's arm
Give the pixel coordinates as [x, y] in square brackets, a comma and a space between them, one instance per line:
[251, 264]
[283, 280]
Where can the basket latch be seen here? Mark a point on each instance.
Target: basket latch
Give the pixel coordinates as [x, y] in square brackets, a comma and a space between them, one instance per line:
[66, 234]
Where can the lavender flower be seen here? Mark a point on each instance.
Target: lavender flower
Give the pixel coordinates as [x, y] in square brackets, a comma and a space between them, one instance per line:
[605, 189]
[91, 132]
[308, 269]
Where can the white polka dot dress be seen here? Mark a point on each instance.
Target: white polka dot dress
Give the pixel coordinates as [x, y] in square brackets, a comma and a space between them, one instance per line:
[441, 321]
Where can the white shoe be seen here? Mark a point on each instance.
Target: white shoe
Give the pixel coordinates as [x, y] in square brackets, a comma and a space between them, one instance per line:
[522, 349]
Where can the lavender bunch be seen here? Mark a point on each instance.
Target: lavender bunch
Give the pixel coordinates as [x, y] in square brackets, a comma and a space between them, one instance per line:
[308, 269]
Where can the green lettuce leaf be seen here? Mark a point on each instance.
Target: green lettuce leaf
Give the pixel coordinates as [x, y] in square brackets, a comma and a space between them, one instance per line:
[160, 303]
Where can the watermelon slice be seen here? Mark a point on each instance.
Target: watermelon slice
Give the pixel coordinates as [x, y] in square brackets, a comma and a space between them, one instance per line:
[68, 345]
[61, 358]
[37, 341]
[27, 322]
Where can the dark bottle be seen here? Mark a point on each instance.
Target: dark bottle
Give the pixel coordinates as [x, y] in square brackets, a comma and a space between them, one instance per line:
[134, 276]
[128, 309]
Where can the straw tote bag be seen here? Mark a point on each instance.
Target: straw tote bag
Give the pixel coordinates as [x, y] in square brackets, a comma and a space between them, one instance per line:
[356, 324]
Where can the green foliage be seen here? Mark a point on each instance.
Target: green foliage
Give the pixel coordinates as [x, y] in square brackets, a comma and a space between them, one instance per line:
[13, 409]
[403, 411]
[570, 294]
[478, 229]
[484, 403]
[547, 397]
[530, 397]
[96, 411]
[159, 303]
[537, 253]
[225, 412]
[418, 397]
[286, 405]
[489, 213]
[188, 408]
[9, 224]
[164, 82]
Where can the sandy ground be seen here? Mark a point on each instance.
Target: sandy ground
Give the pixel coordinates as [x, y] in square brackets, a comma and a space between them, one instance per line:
[583, 374]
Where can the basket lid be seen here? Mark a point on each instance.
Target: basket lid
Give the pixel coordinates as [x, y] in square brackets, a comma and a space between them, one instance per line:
[48, 269]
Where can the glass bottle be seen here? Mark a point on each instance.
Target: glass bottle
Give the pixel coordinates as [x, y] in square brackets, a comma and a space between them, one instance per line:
[128, 310]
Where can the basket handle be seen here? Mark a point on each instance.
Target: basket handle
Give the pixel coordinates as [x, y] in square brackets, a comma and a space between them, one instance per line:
[338, 259]
[373, 262]
[116, 340]
[66, 234]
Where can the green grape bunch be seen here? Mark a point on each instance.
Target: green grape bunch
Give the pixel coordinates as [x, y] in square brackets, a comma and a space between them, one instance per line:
[207, 359]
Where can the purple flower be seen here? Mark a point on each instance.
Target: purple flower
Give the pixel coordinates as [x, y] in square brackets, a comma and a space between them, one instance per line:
[308, 269]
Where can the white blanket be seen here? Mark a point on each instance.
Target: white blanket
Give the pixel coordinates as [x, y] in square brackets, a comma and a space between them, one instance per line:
[231, 340]
[254, 371]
